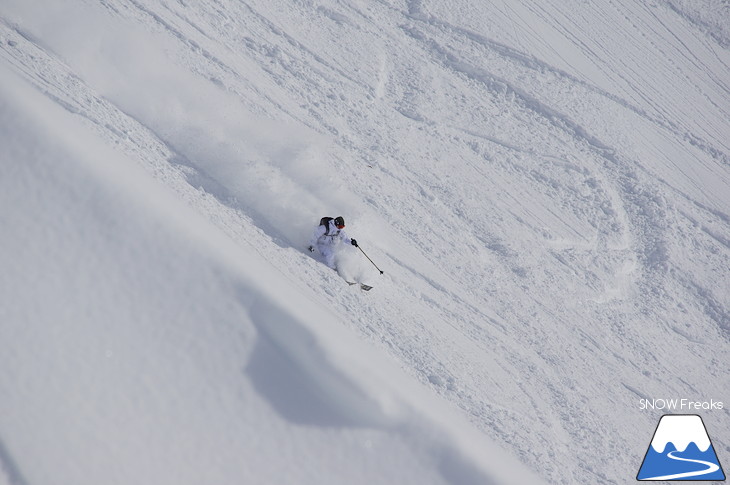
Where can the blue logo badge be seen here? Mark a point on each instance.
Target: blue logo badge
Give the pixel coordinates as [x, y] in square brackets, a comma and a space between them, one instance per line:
[681, 450]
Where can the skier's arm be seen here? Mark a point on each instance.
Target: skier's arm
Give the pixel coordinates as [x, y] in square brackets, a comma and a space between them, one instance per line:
[318, 232]
[346, 239]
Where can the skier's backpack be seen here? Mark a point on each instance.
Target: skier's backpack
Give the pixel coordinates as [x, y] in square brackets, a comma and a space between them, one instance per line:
[325, 221]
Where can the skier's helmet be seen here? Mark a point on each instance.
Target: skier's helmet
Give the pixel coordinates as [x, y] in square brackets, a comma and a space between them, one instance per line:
[339, 222]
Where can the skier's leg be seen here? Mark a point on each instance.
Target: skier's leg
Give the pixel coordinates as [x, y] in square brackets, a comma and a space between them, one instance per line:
[329, 256]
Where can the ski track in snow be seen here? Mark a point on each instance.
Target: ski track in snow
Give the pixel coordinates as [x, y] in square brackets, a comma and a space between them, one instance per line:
[536, 168]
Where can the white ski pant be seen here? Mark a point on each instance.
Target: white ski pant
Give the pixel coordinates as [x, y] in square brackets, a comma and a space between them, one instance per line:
[328, 252]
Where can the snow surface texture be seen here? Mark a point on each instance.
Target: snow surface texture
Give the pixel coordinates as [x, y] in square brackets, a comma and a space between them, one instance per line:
[545, 184]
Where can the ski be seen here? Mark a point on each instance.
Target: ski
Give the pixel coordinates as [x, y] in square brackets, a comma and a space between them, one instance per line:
[363, 286]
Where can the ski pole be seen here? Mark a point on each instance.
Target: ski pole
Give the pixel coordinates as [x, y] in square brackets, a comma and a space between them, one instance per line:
[376, 266]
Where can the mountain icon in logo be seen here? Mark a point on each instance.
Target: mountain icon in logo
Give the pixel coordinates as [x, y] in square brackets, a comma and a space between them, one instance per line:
[681, 450]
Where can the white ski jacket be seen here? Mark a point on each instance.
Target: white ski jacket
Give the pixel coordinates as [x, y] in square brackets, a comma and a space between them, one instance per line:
[328, 237]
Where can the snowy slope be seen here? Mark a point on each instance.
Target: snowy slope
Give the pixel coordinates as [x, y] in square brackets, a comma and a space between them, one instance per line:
[141, 346]
[546, 187]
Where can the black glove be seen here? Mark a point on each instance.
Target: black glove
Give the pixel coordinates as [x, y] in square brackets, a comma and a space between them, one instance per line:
[311, 249]
[354, 243]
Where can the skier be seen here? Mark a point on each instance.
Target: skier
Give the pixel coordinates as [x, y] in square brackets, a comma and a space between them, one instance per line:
[328, 236]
